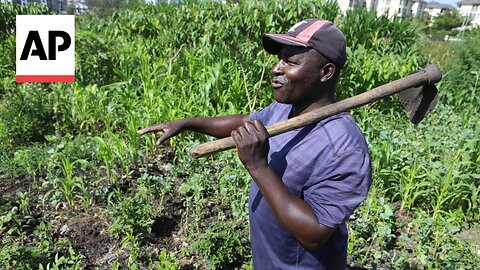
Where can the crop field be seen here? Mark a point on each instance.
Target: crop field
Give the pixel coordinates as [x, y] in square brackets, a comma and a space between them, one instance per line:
[79, 189]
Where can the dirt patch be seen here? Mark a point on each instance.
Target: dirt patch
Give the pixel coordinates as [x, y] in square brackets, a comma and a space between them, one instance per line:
[89, 236]
[166, 230]
[9, 187]
[472, 236]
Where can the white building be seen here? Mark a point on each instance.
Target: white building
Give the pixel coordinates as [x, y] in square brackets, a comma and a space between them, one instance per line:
[77, 6]
[345, 5]
[392, 8]
[371, 4]
[418, 7]
[471, 10]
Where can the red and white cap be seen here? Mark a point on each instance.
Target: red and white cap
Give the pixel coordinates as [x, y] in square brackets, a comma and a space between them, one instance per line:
[319, 34]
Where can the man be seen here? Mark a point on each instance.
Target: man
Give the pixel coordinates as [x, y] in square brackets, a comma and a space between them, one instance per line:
[306, 181]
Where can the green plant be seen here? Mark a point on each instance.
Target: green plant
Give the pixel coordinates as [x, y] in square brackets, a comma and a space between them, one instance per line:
[66, 184]
[70, 261]
[167, 261]
[221, 244]
[140, 65]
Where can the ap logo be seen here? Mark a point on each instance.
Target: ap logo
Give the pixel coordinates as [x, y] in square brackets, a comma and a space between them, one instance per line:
[45, 48]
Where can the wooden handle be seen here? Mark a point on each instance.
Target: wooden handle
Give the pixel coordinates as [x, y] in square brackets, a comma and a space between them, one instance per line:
[431, 74]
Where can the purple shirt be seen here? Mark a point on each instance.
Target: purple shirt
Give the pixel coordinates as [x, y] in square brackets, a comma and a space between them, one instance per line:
[327, 165]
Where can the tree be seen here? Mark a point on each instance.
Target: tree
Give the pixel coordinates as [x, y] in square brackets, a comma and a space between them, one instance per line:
[447, 21]
[445, 24]
[423, 18]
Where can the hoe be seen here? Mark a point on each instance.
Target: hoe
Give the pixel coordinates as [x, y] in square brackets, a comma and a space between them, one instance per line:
[417, 93]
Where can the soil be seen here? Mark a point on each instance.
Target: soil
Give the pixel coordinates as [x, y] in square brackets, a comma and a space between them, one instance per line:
[89, 236]
[471, 236]
[88, 232]
[9, 187]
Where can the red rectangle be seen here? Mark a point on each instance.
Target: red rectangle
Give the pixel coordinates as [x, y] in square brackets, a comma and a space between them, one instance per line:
[45, 78]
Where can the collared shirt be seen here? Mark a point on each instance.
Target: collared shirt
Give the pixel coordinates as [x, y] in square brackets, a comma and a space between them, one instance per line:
[328, 166]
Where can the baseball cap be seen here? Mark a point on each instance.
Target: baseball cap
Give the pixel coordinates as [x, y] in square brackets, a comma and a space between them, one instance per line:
[319, 34]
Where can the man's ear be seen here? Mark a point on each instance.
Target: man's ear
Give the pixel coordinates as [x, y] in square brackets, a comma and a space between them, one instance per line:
[328, 71]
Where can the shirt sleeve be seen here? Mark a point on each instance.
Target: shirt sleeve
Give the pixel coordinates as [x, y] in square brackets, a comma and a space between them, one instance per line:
[337, 189]
[262, 115]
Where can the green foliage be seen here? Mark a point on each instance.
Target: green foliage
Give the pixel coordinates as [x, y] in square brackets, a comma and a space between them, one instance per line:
[443, 24]
[21, 252]
[167, 261]
[9, 11]
[65, 185]
[133, 214]
[463, 76]
[423, 18]
[141, 65]
[379, 33]
[107, 5]
[27, 116]
[221, 244]
[447, 21]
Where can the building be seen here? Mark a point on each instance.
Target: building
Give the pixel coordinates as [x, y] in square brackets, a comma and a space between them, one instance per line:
[394, 8]
[391, 8]
[434, 8]
[346, 5]
[471, 10]
[56, 5]
[418, 7]
[371, 4]
[77, 6]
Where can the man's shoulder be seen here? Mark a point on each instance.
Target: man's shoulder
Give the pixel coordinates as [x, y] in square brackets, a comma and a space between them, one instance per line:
[276, 107]
[274, 112]
[344, 134]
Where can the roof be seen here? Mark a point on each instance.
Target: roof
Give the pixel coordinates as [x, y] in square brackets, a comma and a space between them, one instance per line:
[469, 2]
[442, 6]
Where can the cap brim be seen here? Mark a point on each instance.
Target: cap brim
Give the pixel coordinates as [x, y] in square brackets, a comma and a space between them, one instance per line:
[272, 43]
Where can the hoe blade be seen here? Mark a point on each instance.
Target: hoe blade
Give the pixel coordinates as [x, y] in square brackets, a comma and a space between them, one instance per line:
[419, 101]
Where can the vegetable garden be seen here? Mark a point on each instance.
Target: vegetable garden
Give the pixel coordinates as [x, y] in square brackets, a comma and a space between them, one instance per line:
[81, 190]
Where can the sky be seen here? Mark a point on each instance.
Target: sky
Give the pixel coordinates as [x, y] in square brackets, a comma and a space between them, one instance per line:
[451, 2]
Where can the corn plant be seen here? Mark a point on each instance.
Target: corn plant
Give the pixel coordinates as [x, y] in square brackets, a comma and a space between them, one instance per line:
[106, 155]
[67, 183]
[412, 183]
[140, 66]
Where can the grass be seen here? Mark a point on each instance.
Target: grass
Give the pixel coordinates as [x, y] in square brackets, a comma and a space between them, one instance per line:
[80, 189]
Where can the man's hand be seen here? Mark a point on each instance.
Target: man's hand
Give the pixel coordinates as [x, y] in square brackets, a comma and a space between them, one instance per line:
[219, 127]
[251, 140]
[170, 129]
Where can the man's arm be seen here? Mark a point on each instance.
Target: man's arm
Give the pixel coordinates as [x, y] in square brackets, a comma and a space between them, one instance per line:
[292, 212]
[219, 127]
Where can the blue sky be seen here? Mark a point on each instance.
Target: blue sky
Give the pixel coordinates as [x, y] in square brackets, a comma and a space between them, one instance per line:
[451, 2]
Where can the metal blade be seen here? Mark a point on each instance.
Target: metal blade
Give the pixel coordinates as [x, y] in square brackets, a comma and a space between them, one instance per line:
[419, 101]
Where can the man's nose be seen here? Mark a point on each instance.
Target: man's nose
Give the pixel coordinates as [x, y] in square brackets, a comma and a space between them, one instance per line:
[278, 68]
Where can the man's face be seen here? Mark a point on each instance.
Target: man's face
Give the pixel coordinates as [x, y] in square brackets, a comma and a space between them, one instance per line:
[297, 75]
